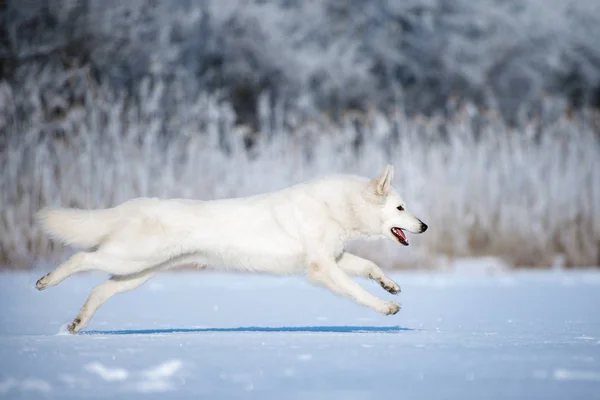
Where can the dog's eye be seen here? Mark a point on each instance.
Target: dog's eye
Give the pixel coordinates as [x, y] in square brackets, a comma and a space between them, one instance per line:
[400, 208]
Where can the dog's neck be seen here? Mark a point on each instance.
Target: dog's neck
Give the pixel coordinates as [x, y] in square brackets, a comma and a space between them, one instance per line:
[362, 225]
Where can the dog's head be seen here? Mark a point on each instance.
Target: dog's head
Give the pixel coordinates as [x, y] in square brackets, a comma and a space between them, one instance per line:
[393, 214]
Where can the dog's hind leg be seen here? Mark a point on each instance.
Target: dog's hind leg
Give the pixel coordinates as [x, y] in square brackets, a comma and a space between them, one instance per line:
[103, 292]
[100, 261]
[357, 266]
[328, 274]
[76, 263]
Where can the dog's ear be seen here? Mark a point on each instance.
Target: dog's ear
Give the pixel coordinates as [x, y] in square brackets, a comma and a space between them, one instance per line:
[383, 184]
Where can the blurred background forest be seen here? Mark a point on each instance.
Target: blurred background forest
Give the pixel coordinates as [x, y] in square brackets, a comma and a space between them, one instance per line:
[490, 111]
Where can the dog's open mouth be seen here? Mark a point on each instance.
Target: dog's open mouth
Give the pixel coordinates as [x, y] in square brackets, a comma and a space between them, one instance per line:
[399, 234]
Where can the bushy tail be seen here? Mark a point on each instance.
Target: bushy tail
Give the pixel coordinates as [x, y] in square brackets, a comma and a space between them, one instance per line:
[84, 228]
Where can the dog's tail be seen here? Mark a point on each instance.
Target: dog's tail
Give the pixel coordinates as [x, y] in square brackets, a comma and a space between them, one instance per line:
[84, 228]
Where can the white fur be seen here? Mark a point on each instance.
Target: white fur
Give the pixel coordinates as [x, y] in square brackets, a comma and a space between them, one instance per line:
[299, 230]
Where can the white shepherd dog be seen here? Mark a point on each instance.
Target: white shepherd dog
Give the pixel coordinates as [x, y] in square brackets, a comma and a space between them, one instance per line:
[298, 230]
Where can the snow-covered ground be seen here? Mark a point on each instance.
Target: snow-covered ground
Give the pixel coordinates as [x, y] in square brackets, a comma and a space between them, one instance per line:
[526, 335]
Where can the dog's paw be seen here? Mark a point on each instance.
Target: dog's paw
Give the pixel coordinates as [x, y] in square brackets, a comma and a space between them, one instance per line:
[389, 285]
[74, 326]
[43, 282]
[390, 308]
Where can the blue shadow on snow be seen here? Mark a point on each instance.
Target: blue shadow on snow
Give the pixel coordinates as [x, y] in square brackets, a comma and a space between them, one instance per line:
[301, 329]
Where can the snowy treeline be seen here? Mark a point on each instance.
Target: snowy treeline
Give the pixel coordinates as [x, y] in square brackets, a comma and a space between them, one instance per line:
[104, 101]
[316, 55]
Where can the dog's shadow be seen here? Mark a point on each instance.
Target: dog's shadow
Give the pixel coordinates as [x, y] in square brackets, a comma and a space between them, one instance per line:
[255, 329]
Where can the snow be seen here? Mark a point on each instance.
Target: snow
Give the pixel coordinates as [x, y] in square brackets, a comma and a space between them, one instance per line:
[108, 374]
[488, 335]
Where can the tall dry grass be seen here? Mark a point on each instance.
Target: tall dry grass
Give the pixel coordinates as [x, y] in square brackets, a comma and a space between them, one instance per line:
[529, 195]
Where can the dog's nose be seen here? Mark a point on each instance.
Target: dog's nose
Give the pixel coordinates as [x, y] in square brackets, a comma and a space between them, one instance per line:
[423, 227]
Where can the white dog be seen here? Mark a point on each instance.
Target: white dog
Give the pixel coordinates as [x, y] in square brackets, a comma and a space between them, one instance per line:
[301, 229]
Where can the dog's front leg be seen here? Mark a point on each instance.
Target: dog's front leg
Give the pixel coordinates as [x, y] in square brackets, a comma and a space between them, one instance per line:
[357, 266]
[326, 272]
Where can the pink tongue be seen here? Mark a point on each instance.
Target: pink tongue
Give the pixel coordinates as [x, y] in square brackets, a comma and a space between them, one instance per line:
[400, 233]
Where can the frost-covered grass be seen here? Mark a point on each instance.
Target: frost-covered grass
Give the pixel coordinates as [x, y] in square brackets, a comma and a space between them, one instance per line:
[528, 194]
[104, 101]
[531, 335]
